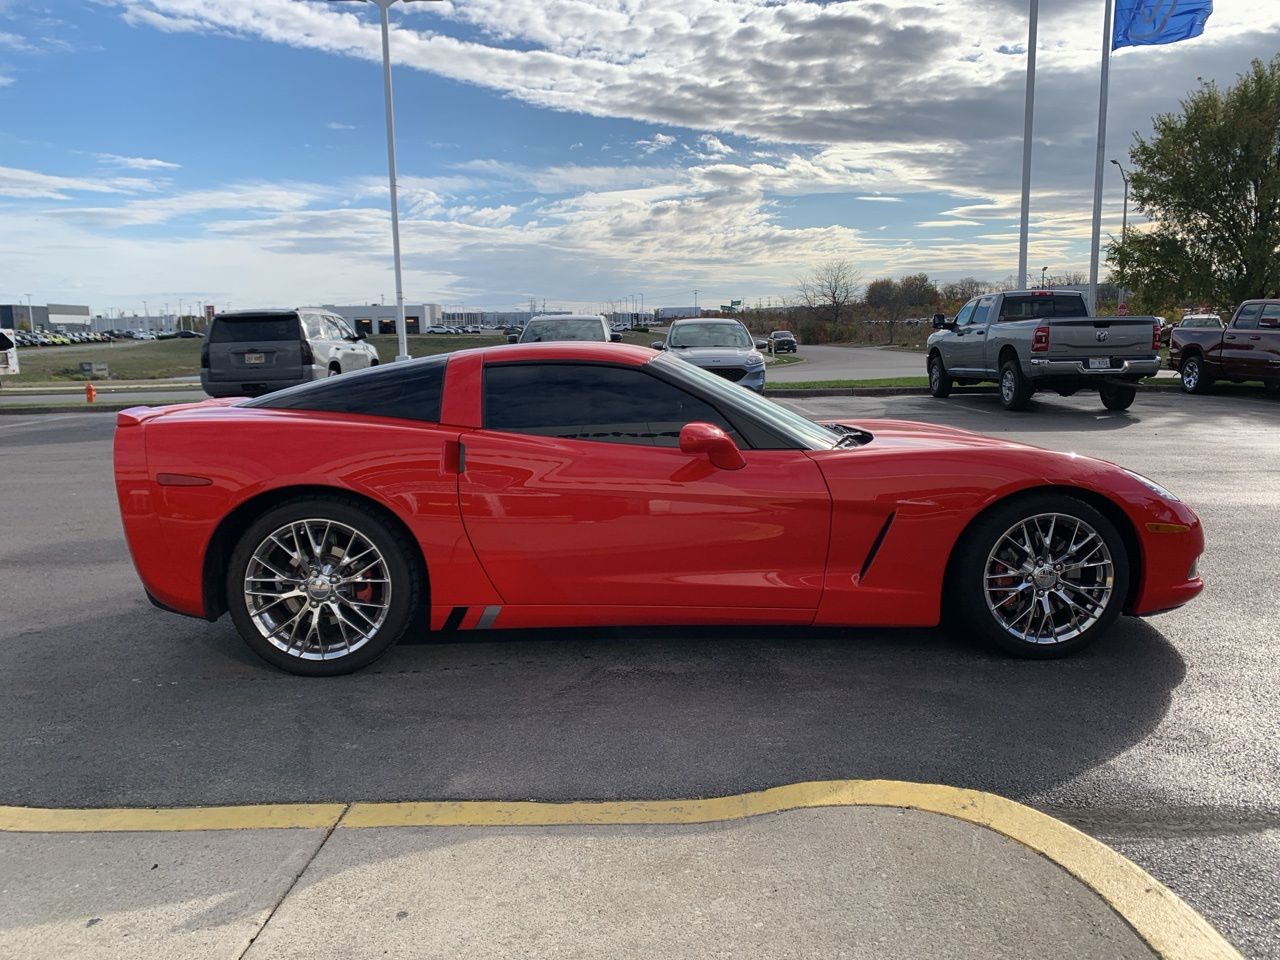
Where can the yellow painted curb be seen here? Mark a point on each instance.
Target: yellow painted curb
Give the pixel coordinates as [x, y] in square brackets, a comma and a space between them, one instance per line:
[1171, 928]
[272, 816]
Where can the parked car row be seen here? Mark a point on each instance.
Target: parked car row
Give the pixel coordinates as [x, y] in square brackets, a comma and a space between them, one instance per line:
[441, 328]
[59, 339]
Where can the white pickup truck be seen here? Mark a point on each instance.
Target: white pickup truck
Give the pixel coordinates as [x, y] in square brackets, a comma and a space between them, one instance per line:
[1028, 340]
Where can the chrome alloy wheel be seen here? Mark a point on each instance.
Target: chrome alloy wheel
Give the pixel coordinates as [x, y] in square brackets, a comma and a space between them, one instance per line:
[1191, 375]
[935, 374]
[317, 589]
[1008, 385]
[1048, 578]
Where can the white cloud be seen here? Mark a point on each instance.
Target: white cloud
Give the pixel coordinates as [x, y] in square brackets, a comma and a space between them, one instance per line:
[336, 125]
[136, 163]
[946, 224]
[712, 146]
[659, 141]
[5, 81]
[879, 199]
[30, 185]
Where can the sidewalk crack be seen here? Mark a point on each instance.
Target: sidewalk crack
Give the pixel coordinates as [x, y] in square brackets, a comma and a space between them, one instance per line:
[294, 882]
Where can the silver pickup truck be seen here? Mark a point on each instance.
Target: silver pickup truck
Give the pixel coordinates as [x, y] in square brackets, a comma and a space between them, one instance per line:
[1028, 340]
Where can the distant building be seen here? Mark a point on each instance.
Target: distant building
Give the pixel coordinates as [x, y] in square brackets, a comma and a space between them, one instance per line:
[381, 318]
[19, 316]
[69, 318]
[675, 313]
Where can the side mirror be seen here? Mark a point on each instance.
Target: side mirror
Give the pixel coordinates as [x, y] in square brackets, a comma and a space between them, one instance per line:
[615, 338]
[361, 335]
[762, 344]
[656, 345]
[513, 338]
[714, 442]
[939, 321]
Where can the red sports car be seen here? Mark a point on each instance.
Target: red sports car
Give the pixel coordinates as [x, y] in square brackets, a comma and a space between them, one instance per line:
[580, 484]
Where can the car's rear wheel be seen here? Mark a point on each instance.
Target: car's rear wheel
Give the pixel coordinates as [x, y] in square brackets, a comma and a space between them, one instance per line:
[1015, 389]
[1192, 373]
[321, 586]
[1041, 576]
[939, 380]
[1117, 396]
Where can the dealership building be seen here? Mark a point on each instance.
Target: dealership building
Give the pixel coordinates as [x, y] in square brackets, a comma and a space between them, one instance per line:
[381, 318]
[54, 318]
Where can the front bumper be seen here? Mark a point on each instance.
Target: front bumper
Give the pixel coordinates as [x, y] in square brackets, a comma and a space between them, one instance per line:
[1127, 369]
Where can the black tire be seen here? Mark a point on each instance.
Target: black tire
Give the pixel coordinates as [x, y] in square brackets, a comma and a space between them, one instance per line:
[1271, 388]
[967, 584]
[940, 381]
[397, 607]
[1117, 396]
[335, 370]
[1193, 376]
[1015, 389]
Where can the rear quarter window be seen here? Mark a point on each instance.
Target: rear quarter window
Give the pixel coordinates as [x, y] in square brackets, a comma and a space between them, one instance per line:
[249, 329]
[1034, 307]
[402, 391]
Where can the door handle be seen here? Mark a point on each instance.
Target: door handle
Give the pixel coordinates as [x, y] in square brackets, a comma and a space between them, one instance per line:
[1255, 338]
[979, 333]
[1229, 336]
[453, 457]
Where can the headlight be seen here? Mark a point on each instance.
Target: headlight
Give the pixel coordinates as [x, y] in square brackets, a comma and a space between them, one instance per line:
[1152, 485]
[755, 360]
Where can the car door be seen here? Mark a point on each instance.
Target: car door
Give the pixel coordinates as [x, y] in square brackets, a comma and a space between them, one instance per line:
[1269, 342]
[1242, 356]
[971, 337]
[575, 492]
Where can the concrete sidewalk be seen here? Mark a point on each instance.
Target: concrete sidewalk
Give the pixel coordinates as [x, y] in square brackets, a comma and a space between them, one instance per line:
[830, 881]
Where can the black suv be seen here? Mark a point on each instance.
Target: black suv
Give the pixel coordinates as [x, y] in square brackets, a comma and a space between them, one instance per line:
[783, 341]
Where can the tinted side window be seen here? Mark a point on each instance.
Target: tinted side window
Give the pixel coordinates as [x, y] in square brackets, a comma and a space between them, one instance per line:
[1270, 316]
[314, 327]
[249, 329]
[981, 313]
[405, 391]
[589, 402]
[1247, 319]
[965, 313]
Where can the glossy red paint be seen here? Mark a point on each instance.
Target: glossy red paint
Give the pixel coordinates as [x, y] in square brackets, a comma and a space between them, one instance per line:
[522, 530]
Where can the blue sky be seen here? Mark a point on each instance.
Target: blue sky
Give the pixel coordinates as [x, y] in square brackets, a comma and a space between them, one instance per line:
[573, 150]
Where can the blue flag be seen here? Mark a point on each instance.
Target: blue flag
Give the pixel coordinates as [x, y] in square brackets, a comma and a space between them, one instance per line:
[1143, 22]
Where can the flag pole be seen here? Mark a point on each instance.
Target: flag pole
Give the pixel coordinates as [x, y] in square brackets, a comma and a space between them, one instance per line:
[1026, 143]
[1098, 166]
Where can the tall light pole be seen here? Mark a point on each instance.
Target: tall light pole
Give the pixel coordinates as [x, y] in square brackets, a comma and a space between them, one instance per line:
[383, 6]
[1124, 223]
[1027, 118]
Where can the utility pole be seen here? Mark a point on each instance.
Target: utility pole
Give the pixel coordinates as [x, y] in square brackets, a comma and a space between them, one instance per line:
[696, 311]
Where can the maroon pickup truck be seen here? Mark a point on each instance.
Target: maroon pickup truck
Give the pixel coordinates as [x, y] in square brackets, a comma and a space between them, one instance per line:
[1247, 349]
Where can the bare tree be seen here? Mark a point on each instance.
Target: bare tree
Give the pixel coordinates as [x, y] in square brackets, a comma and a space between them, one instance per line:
[966, 289]
[893, 298]
[829, 290]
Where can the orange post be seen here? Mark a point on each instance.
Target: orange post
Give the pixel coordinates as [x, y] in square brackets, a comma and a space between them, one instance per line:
[90, 394]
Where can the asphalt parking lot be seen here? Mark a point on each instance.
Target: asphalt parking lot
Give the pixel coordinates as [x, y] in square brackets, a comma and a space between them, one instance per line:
[1163, 740]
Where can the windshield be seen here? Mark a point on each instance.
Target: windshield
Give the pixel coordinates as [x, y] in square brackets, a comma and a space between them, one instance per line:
[805, 432]
[710, 335]
[580, 329]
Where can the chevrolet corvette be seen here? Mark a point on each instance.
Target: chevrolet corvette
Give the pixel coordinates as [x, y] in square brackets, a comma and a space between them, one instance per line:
[581, 484]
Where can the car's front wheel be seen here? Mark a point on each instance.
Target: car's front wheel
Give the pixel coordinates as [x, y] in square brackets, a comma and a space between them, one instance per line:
[940, 381]
[1041, 576]
[321, 586]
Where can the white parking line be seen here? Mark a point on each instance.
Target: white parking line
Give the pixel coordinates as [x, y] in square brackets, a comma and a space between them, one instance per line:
[41, 419]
